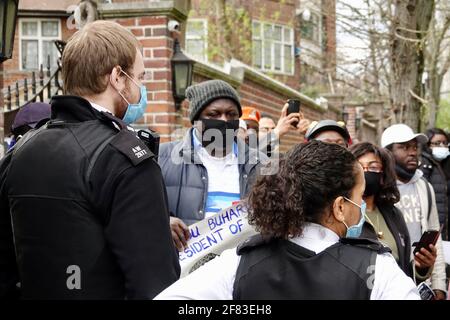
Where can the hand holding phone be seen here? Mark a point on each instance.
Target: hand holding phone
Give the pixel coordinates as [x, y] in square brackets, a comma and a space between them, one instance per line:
[293, 107]
[428, 237]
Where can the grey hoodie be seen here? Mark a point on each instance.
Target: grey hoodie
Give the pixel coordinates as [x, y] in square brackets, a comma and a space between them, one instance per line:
[414, 206]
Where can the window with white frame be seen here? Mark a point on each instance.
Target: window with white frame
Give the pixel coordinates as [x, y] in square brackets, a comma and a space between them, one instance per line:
[273, 47]
[37, 38]
[196, 38]
[311, 29]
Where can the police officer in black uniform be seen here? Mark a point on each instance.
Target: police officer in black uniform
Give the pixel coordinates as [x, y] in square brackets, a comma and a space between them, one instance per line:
[83, 206]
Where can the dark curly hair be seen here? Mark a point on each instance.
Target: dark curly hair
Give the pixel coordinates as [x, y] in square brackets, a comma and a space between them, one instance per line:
[430, 133]
[388, 193]
[310, 178]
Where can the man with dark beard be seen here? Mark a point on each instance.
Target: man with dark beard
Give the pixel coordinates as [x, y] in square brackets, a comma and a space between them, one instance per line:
[417, 201]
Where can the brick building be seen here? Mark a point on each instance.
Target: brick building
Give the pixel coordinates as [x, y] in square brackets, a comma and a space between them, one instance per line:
[268, 49]
[271, 36]
[39, 23]
[259, 52]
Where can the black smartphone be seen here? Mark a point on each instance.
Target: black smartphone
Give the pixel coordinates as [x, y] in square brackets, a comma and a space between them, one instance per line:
[428, 237]
[294, 107]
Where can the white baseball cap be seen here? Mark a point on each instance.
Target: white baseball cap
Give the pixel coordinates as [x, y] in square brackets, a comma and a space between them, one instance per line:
[399, 133]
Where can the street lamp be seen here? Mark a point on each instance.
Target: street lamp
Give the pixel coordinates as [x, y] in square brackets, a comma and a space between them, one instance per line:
[8, 17]
[182, 68]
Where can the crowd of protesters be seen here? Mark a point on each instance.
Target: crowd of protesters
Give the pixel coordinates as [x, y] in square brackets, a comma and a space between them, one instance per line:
[89, 209]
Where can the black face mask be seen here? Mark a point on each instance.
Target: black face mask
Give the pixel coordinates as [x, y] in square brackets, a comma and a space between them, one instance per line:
[218, 134]
[373, 183]
[403, 173]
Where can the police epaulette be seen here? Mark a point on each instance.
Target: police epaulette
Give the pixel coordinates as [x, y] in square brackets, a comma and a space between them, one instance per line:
[133, 148]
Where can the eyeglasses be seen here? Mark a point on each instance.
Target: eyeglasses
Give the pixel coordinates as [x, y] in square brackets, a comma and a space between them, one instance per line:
[439, 144]
[372, 167]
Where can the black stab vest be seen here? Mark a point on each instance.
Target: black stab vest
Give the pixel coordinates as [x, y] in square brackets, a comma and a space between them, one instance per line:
[280, 269]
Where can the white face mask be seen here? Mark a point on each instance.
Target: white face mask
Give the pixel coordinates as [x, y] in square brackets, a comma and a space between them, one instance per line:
[440, 153]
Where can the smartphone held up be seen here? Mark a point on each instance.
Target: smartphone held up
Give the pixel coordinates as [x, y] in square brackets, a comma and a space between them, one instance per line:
[428, 237]
[293, 107]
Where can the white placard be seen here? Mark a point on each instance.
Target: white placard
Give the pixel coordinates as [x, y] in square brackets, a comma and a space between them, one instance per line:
[211, 236]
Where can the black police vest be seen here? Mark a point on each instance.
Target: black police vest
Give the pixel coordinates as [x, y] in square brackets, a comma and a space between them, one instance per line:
[279, 269]
[59, 238]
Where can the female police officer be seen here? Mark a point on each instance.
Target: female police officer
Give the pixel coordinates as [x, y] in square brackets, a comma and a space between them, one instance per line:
[309, 216]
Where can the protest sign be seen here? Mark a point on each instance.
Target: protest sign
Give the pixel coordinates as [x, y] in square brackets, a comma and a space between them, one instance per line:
[211, 236]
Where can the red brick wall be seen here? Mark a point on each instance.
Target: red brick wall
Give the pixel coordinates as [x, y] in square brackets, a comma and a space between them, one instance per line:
[255, 95]
[351, 123]
[267, 101]
[335, 115]
[185, 106]
[279, 12]
[66, 29]
[157, 44]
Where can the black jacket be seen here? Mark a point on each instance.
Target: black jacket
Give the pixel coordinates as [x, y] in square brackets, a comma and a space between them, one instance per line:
[186, 178]
[433, 172]
[88, 209]
[397, 225]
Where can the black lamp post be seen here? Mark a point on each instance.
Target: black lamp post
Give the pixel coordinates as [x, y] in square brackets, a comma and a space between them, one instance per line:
[182, 68]
[8, 18]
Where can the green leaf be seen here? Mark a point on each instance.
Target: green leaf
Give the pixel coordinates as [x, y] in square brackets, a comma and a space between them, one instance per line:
[443, 116]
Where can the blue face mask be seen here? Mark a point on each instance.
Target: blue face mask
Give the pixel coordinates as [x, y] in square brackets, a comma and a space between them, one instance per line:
[135, 110]
[355, 230]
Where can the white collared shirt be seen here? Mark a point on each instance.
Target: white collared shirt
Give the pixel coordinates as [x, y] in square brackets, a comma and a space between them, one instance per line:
[215, 280]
